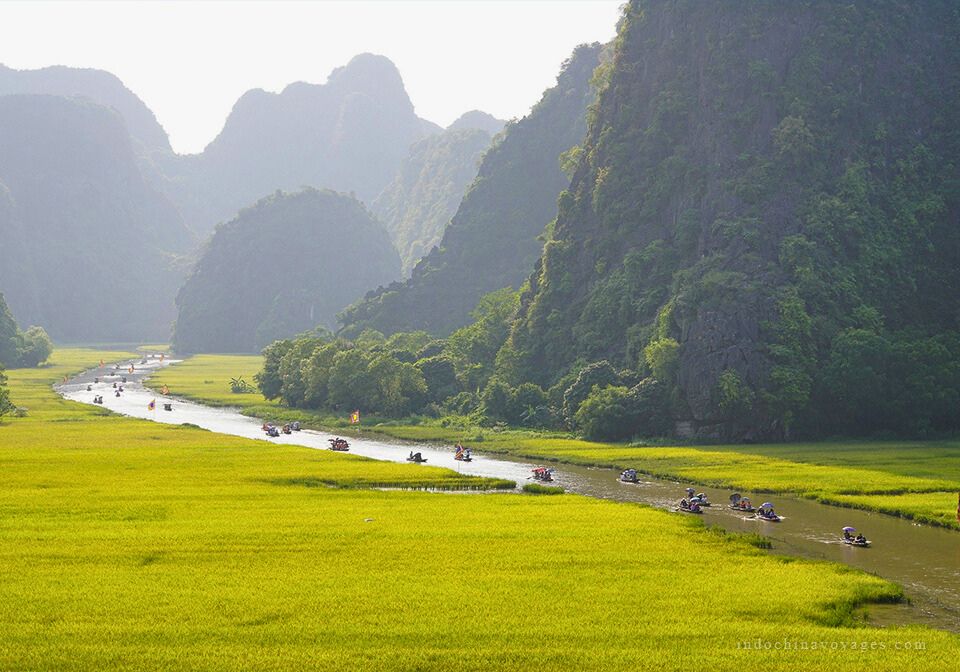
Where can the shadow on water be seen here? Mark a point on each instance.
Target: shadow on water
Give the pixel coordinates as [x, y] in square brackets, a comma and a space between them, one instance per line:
[924, 560]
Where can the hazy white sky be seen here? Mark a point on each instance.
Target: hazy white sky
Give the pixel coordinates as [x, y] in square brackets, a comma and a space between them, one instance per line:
[190, 61]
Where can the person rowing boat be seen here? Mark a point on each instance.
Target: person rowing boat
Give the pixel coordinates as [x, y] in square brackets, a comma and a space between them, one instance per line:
[416, 457]
[689, 507]
[766, 512]
[851, 540]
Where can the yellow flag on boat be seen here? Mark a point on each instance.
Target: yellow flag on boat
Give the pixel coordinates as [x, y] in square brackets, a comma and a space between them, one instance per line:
[152, 405]
[355, 418]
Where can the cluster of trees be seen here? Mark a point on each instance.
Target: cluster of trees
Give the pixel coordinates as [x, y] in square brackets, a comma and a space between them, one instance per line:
[21, 348]
[414, 373]
[406, 373]
[5, 404]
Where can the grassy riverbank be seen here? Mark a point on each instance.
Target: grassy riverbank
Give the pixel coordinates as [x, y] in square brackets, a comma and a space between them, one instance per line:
[912, 479]
[132, 545]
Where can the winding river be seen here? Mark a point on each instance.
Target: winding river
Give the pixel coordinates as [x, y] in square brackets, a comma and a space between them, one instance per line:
[924, 560]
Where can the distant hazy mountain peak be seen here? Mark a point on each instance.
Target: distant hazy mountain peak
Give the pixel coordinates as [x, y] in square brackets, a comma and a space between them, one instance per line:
[101, 87]
[477, 119]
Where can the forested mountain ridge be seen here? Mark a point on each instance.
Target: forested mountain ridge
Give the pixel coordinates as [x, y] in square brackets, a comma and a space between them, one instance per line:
[98, 86]
[418, 204]
[349, 134]
[86, 242]
[492, 240]
[285, 265]
[764, 219]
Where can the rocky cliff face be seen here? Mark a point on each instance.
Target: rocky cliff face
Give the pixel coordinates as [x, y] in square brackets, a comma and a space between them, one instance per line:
[86, 241]
[758, 179]
[492, 241]
[282, 266]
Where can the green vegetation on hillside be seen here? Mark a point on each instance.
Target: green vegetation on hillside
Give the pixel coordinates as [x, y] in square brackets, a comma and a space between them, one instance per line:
[493, 240]
[283, 266]
[417, 206]
[136, 545]
[763, 218]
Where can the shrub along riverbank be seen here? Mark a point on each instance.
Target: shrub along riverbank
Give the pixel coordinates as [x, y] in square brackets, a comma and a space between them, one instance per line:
[912, 479]
[129, 544]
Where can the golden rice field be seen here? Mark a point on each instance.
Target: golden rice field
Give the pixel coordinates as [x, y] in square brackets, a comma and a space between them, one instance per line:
[914, 479]
[126, 544]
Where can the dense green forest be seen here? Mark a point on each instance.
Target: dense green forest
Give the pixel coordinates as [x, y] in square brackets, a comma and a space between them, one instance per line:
[492, 241]
[764, 220]
[417, 206]
[21, 348]
[87, 244]
[287, 264]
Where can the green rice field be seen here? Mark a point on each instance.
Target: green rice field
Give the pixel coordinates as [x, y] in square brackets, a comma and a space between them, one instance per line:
[126, 544]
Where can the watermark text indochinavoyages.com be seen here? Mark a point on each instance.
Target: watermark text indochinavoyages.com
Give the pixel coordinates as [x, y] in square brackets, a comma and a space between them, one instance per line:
[822, 645]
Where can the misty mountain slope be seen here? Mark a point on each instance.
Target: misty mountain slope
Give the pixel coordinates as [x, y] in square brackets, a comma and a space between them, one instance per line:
[85, 238]
[417, 206]
[350, 134]
[765, 218]
[479, 120]
[282, 266]
[97, 85]
[492, 241]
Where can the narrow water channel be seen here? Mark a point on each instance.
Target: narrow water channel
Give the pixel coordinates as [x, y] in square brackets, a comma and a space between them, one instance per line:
[924, 560]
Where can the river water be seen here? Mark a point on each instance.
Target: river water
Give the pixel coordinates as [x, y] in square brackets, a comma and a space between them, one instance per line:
[924, 560]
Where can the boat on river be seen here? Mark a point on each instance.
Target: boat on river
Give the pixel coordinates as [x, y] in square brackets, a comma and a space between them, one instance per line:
[339, 444]
[544, 474]
[766, 513]
[688, 507]
[738, 503]
[850, 540]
